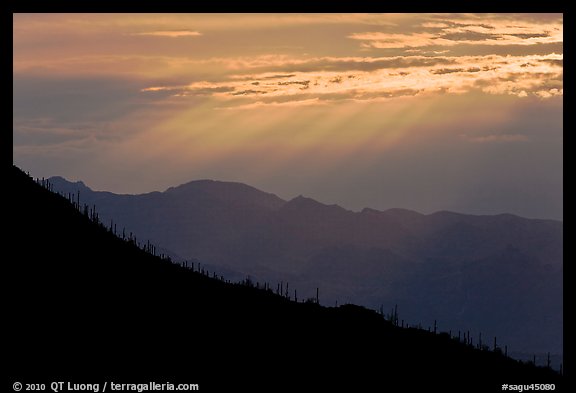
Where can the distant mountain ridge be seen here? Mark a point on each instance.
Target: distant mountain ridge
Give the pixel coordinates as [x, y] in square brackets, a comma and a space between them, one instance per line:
[97, 306]
[491, 274]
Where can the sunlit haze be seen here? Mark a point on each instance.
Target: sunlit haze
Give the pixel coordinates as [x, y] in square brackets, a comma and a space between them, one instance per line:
[459, 112]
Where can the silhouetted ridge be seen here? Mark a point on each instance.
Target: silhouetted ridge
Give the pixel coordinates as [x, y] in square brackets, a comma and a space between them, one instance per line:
[231, 190]
[368, 210]
[424, 263]
[304, 205]
[62, 184]
[395, 211]
[85, 301]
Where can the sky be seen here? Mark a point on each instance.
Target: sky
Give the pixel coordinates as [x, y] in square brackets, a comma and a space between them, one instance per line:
[430, 112]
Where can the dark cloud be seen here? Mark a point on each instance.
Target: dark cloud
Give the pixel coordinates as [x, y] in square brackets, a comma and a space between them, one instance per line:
[248, 92]
[489, 27]
[525, 36]
[483, 25]
[469, 36]
[372, 65]
[477, 36]
[442, 71]
[557, 63]
[358, 64]
[304, 83]
[443, 24]
[276, 76]
[209, 90]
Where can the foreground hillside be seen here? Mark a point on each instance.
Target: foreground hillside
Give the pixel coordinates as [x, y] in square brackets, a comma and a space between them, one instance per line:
[496, 275]
[84, 302]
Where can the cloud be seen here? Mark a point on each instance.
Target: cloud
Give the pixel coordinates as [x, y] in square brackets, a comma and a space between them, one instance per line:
[199, 89]
[469, 35]
[390, 77]
[442, 71]
[170, 33]
[328, 63]
[549, 93]
[493, 31]
[141, 102]
[498, 138]
[248, 92]
[554, 62]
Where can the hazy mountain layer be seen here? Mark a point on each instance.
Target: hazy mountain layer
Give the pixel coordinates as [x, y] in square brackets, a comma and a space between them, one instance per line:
[500, 275]
[86, 305]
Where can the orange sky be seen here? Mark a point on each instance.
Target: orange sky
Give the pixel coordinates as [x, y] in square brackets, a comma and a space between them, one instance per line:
[423, 111]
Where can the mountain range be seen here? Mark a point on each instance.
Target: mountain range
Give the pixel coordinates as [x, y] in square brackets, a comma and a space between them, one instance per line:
[87, 305]
[499, 276]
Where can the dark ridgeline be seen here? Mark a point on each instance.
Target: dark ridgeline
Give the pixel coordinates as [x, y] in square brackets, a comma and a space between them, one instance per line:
[82, 301]
[500, 275]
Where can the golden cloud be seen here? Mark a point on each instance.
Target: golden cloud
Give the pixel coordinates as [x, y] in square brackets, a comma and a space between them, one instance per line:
[492, 74]
[466, 32]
